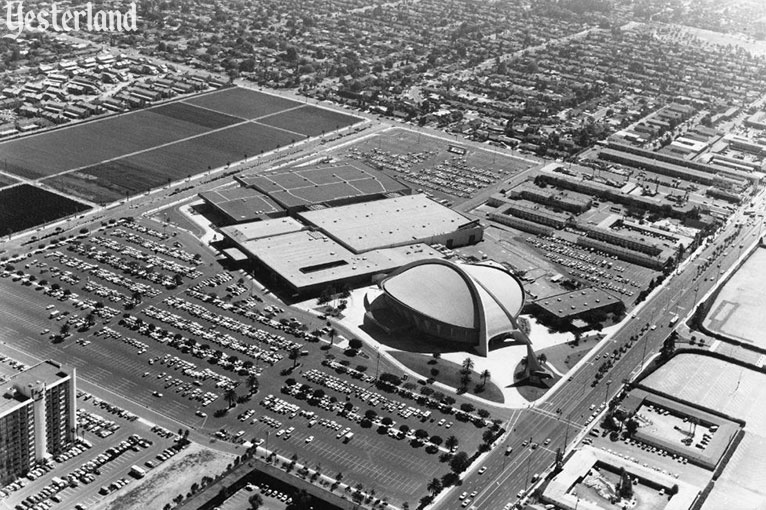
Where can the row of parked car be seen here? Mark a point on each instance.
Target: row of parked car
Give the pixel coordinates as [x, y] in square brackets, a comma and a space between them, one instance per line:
[272, 342]
[175, 251]
[95, 424]
[147, 259]
[109, 407]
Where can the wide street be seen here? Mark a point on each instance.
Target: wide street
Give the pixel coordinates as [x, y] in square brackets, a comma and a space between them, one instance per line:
[563, 414]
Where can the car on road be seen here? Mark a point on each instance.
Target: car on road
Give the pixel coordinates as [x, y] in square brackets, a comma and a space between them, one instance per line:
[547, 442]
[509, 450]
[482, 470]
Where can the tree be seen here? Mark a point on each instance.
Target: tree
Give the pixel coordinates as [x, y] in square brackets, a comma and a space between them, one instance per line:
[669, 346]
[451, 442]
[625, 487]
[421, 434]
[332, 334]
[488, 436]
[434, 486]
[355, 343]
[65, 329]
[231, 396]
[485, 376]
[295, 354]
[467, 407]
[253, 383]
[255, 501]
[631, 426]
[459, 462]
[468, 365]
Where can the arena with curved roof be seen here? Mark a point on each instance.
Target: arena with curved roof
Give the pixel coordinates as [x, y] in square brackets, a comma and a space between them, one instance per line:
[468, 303]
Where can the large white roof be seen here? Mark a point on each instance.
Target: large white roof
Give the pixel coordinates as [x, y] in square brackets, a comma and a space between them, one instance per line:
[456, 293]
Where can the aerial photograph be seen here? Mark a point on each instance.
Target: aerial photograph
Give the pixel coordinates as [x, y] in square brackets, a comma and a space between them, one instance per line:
[382, 255]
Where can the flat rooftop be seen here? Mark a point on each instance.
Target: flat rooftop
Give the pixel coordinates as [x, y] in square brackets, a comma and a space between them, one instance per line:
[573, 303]
[562, 488]
[307, 258]
[241, 204]
[306, 186]
[258, 229]
[386, 223]
[47, 372]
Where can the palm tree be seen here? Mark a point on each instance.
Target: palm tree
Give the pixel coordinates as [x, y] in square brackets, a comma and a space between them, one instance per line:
[253, 383]
[468, 364]
[230, 396]
[451, 442]
[332, 334]
[434, 486]
[485, 376]
[295, 353]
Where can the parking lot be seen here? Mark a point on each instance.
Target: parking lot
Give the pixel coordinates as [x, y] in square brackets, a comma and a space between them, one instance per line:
[179, 338]
[111, 441]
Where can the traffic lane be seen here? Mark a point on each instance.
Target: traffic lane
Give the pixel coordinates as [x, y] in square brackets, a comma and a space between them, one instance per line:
[536, 427]
[621, 369]
[624, 365]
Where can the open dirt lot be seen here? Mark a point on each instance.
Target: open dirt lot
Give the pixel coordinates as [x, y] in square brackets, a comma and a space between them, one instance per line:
[174, 477]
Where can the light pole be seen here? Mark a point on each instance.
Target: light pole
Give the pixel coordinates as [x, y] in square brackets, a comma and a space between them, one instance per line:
[606, 396]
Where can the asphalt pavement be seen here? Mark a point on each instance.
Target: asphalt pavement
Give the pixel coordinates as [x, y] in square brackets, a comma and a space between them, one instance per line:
[564, 413]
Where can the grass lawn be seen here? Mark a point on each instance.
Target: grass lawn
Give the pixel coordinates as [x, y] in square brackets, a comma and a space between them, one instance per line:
[449, 374]
[564, 356]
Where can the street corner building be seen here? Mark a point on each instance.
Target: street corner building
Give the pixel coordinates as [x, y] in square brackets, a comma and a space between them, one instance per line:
[38, 417]
[467, 303]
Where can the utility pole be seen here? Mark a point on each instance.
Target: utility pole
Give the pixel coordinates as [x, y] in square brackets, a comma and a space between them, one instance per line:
[606, 396]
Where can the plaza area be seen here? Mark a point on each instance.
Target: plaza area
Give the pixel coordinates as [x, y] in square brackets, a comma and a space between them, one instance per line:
[498, 362]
